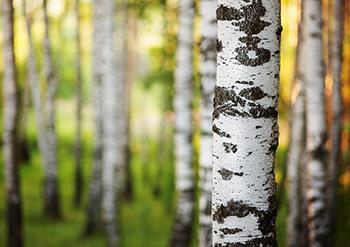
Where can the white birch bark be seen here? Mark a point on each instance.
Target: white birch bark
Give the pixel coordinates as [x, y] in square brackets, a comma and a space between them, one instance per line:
[315, 124]
[49, 150]
[45, 116]
[295, 155]
[245, 123]
[208, 76]
[181, 235]
[10, 129]
[112, 112]
[337, 107]
[296, 152]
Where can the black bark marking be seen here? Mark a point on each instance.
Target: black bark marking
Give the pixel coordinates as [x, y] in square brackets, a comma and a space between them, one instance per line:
[219, 132]
[231, 231]
[226, 101]
[245, 82]
[263, 242]
[266, 219]
[252, 93]
[224, 13]
[229, 147]
[225, 174]
[248, 19]
[218, 46]
[240, 174]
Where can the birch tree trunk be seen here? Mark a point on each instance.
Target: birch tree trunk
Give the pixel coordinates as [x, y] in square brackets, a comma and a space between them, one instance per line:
[295, 155]
[296, 152]
[10, 131]
[245, 123]
[316, 123]
[208, 76]
[78, 147]
[181, 235]
[112, 114]
[337, 107]
[49, 150]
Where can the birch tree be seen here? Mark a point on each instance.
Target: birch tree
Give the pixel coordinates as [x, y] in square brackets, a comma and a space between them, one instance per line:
[112, 88]
[49, 150]
[296, 151]
[316, 123]
[336, 64]
[245, 123]
[44, 107]
[181, 235]
[10, 130]
[208, 75]
[78, 147]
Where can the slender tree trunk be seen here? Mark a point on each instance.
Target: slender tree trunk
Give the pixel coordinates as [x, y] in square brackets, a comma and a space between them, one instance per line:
[208, 76]
[335, 159]
[313, 74]
[182, 229]
[49, 151]
[112, 113]
[245, 123]
[296, 154]
[78, 146]
[10, 134]
[296, 150]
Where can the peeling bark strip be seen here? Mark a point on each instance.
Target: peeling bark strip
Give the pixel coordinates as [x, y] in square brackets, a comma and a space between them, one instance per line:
[209, 45]
[245, 123]
[10, 130]
[181, 235]
[315, 123]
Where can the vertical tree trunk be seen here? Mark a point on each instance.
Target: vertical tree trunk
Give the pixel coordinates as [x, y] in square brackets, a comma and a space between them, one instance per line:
[245, 123]
[78, 147]
[49, 151]
[181, 235]
[10, 134]
[295, 229]
[112, 113]
[316, 122]
[296, 151]
[208, 76]
[335, 159]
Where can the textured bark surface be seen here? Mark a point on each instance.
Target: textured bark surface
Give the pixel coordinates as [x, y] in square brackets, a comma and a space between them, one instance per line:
[208, 76]
[181, 235]
[78, 147]
[10, 130]
[245, 123]
[337, 107]
[313, 74]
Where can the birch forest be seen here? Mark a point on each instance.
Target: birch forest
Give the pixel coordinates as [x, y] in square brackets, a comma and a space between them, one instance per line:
[175, 123]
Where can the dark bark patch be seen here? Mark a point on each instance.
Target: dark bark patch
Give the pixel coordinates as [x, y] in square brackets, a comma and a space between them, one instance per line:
[224, 13]
[226, 101]
[219, 46]
[266, 219]
[230, 148]
[219, 132]
[231, 231]
[269, 241]
[226, 174]
[239, 174]
[252, 93]
[262, 56]
[245, 82]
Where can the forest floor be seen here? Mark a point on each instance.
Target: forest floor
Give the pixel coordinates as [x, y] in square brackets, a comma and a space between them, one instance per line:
[145, 220]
